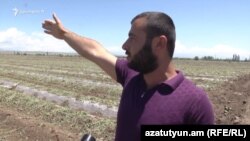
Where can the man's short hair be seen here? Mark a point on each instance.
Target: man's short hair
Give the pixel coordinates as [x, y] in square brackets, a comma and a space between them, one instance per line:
[159, 23]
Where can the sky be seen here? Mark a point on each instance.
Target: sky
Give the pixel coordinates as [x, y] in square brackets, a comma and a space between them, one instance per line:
[218, 28]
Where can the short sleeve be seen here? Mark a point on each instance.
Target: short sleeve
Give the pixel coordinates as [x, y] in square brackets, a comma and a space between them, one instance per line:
[123, 72]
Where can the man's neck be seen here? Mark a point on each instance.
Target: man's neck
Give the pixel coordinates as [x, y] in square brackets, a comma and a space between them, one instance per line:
[161, 74]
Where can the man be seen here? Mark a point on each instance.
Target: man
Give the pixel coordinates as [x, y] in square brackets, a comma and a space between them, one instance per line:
[154, 91]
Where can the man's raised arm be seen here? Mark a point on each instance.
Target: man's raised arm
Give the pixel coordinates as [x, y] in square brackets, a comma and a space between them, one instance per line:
[86, 47]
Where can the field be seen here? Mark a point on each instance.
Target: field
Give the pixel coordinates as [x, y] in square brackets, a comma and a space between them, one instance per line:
[64, 97]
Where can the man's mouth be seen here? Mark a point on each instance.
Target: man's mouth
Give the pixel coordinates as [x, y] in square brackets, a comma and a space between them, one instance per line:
[127, 53]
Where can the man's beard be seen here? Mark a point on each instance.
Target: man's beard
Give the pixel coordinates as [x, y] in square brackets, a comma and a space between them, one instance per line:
[144, 61]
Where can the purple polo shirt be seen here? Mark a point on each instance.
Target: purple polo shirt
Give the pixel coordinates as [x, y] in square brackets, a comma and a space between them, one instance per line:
[175, 101]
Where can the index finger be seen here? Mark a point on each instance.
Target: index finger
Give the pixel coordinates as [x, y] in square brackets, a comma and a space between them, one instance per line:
[56, 19]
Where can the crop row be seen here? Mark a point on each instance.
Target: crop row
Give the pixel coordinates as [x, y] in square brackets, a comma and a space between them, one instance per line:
[80, 78]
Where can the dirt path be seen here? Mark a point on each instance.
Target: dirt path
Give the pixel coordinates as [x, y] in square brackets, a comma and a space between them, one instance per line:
[231, 101]
[16, 126]
[246, 117]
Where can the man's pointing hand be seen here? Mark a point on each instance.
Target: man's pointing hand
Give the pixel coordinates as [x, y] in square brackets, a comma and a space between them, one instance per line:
[54, 28]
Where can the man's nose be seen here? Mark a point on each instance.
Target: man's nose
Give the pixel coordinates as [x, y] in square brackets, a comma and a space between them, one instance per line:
[125, 46]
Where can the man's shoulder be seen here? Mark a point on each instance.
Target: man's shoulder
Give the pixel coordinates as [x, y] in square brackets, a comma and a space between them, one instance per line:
[123, 72]
[191, 88]
[121, 61]
[122, 65]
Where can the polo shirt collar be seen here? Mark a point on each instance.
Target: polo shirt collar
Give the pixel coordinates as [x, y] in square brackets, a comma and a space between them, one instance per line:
[175, 82]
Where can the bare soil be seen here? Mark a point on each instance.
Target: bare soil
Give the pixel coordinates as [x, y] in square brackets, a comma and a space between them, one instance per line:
[16, 126]
[231, 101]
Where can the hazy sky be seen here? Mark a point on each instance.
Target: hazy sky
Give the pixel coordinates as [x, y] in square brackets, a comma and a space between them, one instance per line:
[218, 28]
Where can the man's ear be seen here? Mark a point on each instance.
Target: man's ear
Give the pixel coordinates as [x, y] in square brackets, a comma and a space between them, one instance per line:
[160, 42]
[163, 41]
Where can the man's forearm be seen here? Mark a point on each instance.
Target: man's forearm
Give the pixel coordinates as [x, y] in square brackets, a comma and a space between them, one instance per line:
[93, 51]
[86, 47]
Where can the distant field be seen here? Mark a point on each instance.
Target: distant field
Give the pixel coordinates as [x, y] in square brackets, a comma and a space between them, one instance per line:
[79, 78]
[69, 76]
[208, 74]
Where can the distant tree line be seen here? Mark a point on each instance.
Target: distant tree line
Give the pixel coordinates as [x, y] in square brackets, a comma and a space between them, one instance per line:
[209, 58]
[235, 58]
[45, 54]
[25, 53]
